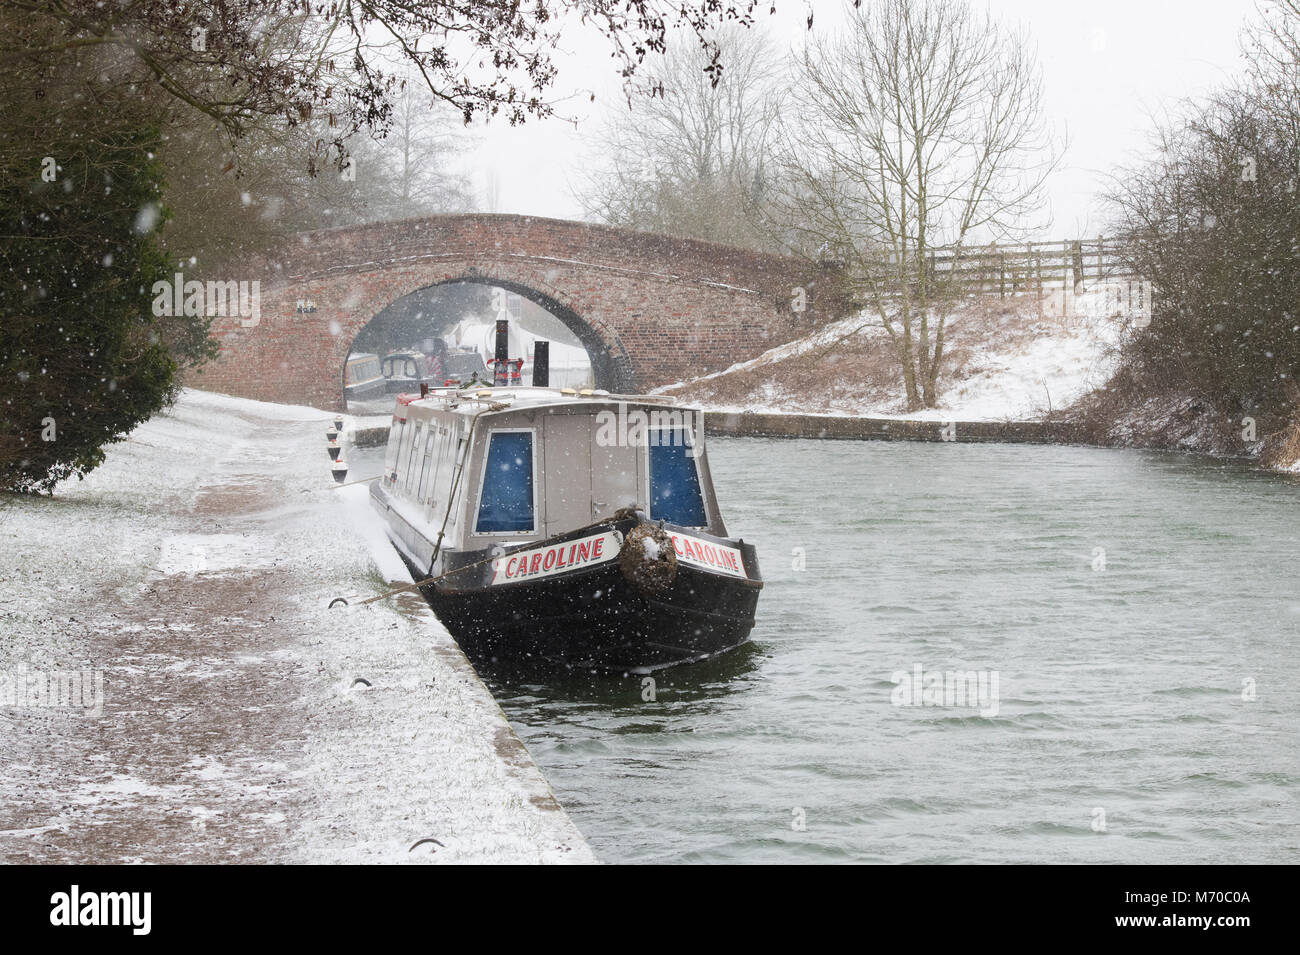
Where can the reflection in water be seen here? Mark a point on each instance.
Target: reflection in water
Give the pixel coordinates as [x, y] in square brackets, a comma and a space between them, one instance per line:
[696, 685]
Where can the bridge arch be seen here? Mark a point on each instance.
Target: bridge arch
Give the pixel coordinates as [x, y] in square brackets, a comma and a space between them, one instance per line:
[649, 309]
[610, 363]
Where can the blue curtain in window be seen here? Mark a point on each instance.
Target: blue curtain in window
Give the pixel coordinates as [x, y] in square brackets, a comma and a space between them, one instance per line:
[674, 483]
[507, 502]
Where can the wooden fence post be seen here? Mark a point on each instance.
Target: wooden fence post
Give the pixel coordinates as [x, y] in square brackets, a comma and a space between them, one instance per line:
[1024, 266]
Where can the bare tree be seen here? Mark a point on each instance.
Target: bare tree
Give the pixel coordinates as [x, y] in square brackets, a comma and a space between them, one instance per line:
[240, 62]
[411, 171]
[224, 209]
[694, 158]
[915, 129]
[421, 150]
[1211, 220]
[1271, 47]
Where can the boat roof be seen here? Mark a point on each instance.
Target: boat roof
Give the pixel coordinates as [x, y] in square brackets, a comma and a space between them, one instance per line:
[480, 398]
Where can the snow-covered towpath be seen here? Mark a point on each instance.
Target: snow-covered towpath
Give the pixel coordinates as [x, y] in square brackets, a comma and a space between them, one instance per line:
[193, 572]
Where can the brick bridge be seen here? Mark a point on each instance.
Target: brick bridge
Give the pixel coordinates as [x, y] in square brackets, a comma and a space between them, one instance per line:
[650, 309]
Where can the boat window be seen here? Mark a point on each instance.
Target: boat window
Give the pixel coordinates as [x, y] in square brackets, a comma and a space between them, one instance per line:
[506, 499]
[404, 451]
[394, 442]
[363, 369]
[438, 477]
[674, 480]
[452, 445]
[410, 448]
[456, 480]
[430, 453]
[417, 457]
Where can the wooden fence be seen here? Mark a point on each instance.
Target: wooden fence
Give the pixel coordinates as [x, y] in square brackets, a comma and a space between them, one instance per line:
[1034, 266]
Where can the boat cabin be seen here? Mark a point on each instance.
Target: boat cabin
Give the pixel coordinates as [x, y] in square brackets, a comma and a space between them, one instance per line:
[362, 377]
[406, 371]
[512, 465]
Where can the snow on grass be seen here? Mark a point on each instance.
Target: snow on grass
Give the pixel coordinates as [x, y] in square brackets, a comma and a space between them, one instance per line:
[826, 335]
[1016, 360]
[1026, 382]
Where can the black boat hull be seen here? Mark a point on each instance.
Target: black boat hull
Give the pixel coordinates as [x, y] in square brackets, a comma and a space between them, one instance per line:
[595, 617]
[366, 390]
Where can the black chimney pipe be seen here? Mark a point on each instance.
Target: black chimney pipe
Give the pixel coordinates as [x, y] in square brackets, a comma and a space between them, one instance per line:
[541, 364]
[501, 368]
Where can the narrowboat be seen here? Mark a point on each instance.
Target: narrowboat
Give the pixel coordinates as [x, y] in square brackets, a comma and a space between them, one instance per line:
[462, 366]
[405, 371]
[363, 380]
[556, 527]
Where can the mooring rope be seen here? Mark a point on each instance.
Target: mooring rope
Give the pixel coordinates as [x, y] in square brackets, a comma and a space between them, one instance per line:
[448, 573]
[335, 487]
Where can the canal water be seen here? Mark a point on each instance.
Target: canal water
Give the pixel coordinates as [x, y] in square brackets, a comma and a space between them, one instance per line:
[1139, 611]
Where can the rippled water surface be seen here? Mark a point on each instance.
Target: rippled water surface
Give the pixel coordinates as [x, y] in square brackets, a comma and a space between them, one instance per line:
[1120, 687]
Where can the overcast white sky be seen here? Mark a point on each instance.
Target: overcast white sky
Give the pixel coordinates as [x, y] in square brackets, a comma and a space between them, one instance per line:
[1108, 66]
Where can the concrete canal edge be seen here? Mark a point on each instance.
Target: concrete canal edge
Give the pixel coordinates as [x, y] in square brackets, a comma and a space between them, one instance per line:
[839, 427]
[368, 437]
[517, 763]
[750, 424]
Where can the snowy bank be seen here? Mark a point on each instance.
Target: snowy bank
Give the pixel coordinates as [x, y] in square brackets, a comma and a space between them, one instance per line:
[1128, 414]
[242, 720]
[1013, 360]
[1043, 367]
